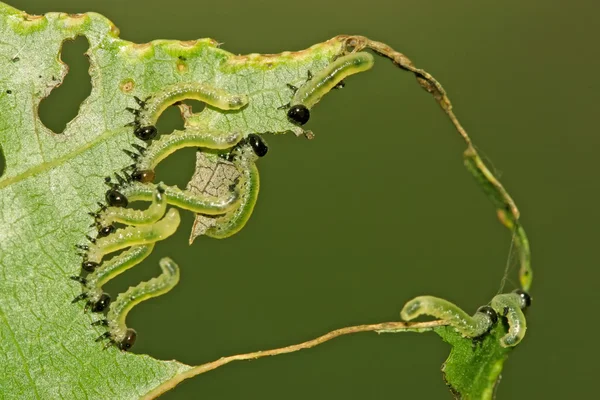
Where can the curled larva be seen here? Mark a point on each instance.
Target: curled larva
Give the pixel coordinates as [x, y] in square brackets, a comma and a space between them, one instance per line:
[132, 236]
[310, 93]
[118, 333]
[468, 326]
[244, 158]
[128, 216]
[152, 107]
[97, 299]
[168, 144]
[510, 305]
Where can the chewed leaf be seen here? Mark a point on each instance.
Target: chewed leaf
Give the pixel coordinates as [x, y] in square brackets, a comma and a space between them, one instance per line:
[51, 182]
[213, 176]
[473, 368]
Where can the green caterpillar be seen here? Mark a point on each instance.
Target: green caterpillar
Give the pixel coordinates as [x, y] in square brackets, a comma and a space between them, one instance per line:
[318, 85]
[146, 227]
[118, 333]
[152, 107]
[508, 305]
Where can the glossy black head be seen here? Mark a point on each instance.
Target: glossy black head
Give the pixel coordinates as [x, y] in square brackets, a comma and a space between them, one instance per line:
[89, 266]
[145, 132]
[298, 114]
[105, 231]
[115, 198]
[525, 298]
[102, 303]
[128, 341]
[258, 145]
[143, 175]
[489, 311]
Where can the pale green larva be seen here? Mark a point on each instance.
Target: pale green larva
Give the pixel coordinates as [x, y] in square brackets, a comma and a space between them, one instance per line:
[510, 305]
[244, 159]
[200, 204]
[167, 145]
[134, 235]
[118, 333]
[136, 217]
[468, 326]
[97, 299]
[152, 107]
[321, 83]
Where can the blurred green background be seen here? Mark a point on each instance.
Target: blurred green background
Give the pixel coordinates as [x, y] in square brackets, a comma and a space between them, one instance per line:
[378, 207]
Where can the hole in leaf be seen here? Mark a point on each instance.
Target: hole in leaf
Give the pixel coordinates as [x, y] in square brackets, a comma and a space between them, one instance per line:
[63, 104]
[176, 170]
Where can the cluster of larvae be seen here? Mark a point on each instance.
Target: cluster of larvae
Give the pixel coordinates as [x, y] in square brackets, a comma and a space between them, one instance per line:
[135, 232]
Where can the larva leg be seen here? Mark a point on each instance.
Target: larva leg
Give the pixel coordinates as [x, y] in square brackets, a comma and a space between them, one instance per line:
[152, 107]
[118, 333]
[510, 305]
[133, 235]
[96, 298]
[469, 326]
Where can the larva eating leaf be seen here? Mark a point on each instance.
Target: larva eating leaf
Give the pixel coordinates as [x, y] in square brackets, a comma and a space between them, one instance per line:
[134, 235]
[168, 144]
[469, 326]
[136, 217]
[118, 333]
[509, 305]
[214, 174]
[152, 107]
[321, 83]
[97, 299]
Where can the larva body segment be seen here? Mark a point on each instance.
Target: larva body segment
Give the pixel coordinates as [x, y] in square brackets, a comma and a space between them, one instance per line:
[136, 217]
[118, 333]
[249, 183]
[153, 106]
[197, 203]
[93, 282]
[119, 264]
[468, 326]
[134, 235]
[168, 144]
[510, 305]
[325, 80]
[215, 97]
[318, 85]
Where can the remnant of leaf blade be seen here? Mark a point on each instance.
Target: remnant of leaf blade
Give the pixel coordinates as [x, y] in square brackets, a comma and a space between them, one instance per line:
[473, 367]
[47, 347]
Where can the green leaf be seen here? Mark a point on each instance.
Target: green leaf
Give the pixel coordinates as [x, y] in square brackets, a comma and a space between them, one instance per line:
[473, 368]
[51, 182]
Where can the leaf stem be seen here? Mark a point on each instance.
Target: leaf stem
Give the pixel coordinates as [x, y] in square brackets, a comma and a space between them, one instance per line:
[382, 327]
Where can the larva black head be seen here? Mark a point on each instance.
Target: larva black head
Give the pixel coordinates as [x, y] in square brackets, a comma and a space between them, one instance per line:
[115, 198]
[298, 114]
[143, 175]
[258, 145]
[89, 266]
[102, 303]
[128, 341]
[489, 311]
[145, 132]
[105, 231]
[525, 298]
